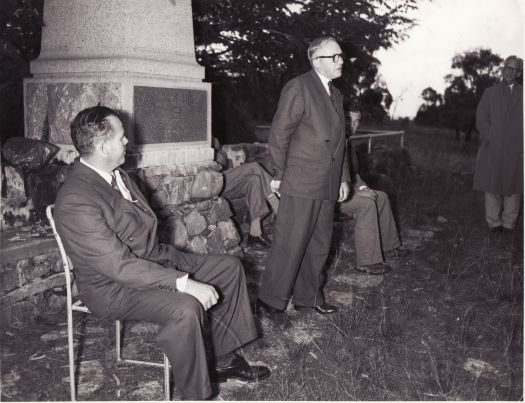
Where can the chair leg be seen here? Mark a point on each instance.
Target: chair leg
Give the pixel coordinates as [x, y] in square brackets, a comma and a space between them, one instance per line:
[71, 350]
[166, 378]
[118, 331]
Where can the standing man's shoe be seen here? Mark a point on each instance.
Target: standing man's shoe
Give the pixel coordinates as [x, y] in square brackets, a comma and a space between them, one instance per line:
[323, 309]
[374, 269]
[277, 316]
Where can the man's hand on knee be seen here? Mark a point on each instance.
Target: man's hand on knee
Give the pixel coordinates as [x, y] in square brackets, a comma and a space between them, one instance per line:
[205, 293]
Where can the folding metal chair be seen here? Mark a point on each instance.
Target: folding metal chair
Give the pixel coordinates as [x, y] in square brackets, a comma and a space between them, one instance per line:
[80, 307]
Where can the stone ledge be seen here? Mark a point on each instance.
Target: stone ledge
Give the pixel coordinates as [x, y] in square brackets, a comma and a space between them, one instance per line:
[14, 251]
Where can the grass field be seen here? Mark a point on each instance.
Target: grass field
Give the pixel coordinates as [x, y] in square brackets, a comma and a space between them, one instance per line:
[445, 324]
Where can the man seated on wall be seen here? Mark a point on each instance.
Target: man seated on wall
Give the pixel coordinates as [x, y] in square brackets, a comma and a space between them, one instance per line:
[375, 232]
[123, 272]
[252, 182]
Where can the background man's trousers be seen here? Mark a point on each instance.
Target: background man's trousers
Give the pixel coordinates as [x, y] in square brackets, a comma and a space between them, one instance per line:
[301, 243]
[502, 210]
[374, 227]
[181, 318]
[249, 180]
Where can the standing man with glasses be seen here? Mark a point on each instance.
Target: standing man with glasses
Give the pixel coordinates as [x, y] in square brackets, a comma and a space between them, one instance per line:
[499, 165]
[310, 169]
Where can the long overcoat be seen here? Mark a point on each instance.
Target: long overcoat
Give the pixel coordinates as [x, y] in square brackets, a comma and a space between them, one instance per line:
[499, 119]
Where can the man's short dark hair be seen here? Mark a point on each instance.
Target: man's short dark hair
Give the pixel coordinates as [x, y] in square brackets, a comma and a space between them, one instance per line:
[91, 126]
[316, 44]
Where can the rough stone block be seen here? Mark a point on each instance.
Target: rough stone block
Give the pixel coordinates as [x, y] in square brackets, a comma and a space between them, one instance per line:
[14, 184]
[207, 184]
[19, 312]
[197, 245]
[220, 211]
[195, 223]
[230, 236]
[38, 267]
[179, 189]
[37, 286]
[159, 198]
[8, 278]
[214, 242]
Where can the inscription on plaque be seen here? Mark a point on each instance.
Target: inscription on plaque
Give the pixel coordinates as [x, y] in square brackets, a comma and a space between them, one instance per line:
[169, 115]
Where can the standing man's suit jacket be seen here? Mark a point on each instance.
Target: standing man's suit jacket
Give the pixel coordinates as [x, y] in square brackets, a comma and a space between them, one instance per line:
[111, 241]
[307, 140]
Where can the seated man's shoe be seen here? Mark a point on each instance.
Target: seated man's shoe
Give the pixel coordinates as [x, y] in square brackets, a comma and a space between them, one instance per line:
[260, 240]
[323, 309]
[277, 316]
[397, 253]
[239, 369]
[376, 268]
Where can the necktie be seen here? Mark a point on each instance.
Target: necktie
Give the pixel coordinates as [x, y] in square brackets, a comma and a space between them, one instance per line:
[331, 92]
[114, 182]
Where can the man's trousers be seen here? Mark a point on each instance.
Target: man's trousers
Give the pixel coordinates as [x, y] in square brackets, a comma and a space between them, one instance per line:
[181, 318]
[301, 243]
[251, 181]
[502, 210]
[375, 230]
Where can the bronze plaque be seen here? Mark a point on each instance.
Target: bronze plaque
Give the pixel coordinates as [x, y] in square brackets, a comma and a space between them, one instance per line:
[169, 115]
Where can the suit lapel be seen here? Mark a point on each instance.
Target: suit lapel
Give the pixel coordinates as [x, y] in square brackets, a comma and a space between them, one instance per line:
[141, 201]
[332, 115]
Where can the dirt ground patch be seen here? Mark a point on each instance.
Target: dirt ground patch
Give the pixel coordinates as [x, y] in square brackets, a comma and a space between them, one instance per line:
[445, 324]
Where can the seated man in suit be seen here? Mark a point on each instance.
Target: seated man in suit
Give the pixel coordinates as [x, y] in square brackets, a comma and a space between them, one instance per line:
[252, 182]
[375, 232]
[122, 272]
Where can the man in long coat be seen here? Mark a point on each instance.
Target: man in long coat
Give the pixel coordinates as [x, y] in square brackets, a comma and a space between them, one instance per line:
[308, 151]
[499, 165]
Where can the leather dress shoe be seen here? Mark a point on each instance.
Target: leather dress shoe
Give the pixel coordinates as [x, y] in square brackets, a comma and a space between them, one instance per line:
[323, 309]
[375, 269]
[499, 228]
[277, 316]
[260, 240]
[239, 369]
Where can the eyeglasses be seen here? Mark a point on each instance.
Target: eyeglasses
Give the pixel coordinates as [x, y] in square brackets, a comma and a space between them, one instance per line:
[510, 68]
[335, 58]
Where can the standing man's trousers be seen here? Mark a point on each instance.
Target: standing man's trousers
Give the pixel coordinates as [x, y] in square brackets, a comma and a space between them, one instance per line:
[502, 210]
[181, 318]
[375, 230]
[301, 243]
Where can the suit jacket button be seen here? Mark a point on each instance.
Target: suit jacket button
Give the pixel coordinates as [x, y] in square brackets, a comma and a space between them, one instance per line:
[327, 141]
[131, 239]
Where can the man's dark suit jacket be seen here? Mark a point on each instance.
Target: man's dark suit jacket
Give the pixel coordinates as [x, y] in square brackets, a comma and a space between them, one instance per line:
[307, 140]
[112, 243]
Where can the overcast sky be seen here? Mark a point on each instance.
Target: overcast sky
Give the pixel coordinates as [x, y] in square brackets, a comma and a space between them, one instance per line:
[447, 27]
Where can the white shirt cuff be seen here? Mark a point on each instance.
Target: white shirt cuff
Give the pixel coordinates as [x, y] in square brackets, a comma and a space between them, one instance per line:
[181, 283]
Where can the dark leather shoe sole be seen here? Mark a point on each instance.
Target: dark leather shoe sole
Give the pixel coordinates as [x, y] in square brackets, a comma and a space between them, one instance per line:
[324, 309]
[240, 370]
[374, 269]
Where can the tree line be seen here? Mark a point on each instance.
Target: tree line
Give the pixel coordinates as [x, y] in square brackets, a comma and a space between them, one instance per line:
[473, 72]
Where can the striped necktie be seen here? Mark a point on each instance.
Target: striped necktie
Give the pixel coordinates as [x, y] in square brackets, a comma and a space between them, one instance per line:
[331, 92]
[114, 182]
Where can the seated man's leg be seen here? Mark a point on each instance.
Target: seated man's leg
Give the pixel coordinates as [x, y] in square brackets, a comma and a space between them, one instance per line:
[180, 317]
[231, 319]
[387, 224]
[366, 229]
[246, 181]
